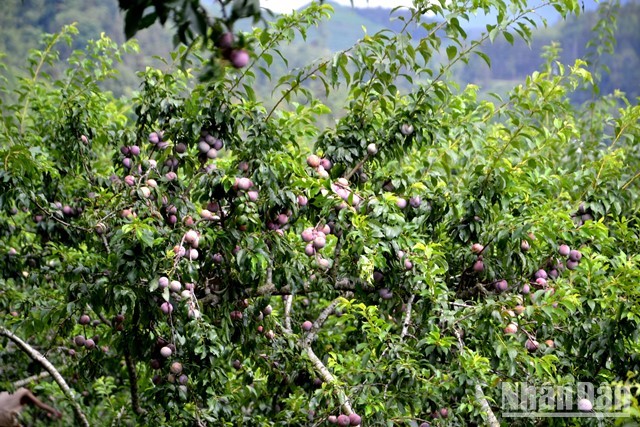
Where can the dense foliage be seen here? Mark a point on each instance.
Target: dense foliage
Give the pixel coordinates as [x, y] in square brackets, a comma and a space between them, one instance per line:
[578, 36]
[181, 258]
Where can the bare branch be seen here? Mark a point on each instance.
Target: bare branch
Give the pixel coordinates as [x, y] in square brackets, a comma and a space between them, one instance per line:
[50, 214]
[458, 304]
[288, 302]
[329, 379]
[100, 316]
[270, 289]
[311, 336]
[38, 357]
[133, 382]
[31, 379]
[460, 342]
[491, 417]
[357, 166]
[106, 244]
[269, 276]
[407, 317]
[484, 404]
[318, 366]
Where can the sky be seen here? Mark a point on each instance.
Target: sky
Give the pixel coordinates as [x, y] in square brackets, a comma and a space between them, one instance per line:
[283, 6]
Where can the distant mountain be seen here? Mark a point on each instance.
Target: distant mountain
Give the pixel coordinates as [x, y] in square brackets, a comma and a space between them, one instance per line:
[381, 15]
[349, 23]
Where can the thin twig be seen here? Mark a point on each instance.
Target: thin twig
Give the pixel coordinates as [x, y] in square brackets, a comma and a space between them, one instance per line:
[101, 316]
[31, 379]
[55, 218]
[106, 244]
[458, 304]
[119, 416]
[356, 167]
[38, 357]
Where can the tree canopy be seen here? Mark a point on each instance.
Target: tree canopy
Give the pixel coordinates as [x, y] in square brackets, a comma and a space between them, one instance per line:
[189, 255]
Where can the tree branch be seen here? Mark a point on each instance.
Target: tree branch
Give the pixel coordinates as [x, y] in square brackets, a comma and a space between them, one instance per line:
[407, 317]
[31, 379]
[482, 399]
[100, 316]
[133, 382]
[311, 336]
[458, 304]
[288, 302]
[491, 418]
[319, 367]
[329, 379]
[357, 166]
[38, 357]
[270, 289]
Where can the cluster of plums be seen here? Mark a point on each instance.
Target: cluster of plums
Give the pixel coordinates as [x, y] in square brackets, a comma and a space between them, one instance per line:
[239, 58]
[279, 222]
[129, 151]
[378, 276]
[162, 352]
[540, 281]
[345, 420]
[237, 315]
[192, 239]
[341, 188]
[208, 146]
[478, 265]
[572, 257]
[176, 287]
[67, 211]
[414, 202]
[320, 165]
[316, 239]
[91, 343]
[155, 138]
[541, 277]
[582, 215]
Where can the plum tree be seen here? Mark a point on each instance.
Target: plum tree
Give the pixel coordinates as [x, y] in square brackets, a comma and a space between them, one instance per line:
[201, 225]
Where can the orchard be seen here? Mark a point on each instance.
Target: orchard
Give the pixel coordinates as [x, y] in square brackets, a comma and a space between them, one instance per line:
[192, 255]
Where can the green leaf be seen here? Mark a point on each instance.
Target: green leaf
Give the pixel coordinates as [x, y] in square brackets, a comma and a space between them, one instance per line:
[452, 51]
[132, 20]
[509, 37]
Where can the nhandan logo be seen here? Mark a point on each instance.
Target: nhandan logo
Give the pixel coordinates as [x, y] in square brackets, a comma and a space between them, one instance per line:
[584, 400]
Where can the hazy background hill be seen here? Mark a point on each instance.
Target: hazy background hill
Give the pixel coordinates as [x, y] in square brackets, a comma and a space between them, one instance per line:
[22, 23]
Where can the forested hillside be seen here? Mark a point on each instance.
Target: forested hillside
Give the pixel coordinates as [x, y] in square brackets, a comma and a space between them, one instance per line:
[577, 37]
[22, 24]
